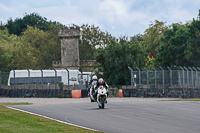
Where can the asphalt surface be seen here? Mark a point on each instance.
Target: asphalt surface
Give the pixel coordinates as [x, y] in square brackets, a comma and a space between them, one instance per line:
[126, 117]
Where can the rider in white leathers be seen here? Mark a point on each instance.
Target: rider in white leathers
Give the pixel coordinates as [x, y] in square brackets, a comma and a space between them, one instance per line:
[92, 85]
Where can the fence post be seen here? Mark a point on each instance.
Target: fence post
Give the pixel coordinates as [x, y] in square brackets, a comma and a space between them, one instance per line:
[87, 81]
[28, 78]
[163, 74]
[183, 77]
[0, 79]
[81, 72]
[55, 78]
[170, 76]
[68, 77]
[198, 74]
[155, 77]
[196, 77]
[139, 76]
[187, 77]
[131, 77]
[147, 77]
[41, 77]
[14, 76]
[192, 76]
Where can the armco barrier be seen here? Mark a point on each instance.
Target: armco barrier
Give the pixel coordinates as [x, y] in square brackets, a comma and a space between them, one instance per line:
[50, 93]
[84, 93]
[45, 93]
[172, 93]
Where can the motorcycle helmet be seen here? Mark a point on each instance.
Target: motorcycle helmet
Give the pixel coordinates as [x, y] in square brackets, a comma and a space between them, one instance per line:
[94, 77]
[101, 81]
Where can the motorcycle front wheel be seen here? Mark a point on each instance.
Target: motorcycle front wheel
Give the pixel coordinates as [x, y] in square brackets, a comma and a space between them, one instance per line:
[102, 102]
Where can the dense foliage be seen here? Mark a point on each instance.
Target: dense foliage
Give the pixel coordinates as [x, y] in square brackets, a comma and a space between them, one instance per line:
[173, 45]
[37, 49]
[180, 46]
[91, 38]
[19, 25]
[151, 37]
[116, 58]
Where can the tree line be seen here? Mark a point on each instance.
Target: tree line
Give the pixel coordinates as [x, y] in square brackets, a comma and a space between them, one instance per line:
[32, 42]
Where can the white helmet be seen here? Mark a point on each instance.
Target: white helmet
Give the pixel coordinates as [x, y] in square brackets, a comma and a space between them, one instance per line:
[94, 77]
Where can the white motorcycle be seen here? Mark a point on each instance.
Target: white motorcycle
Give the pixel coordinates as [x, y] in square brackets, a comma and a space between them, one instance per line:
[101, 96]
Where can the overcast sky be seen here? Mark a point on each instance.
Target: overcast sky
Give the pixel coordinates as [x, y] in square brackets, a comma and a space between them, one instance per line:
[118, 17]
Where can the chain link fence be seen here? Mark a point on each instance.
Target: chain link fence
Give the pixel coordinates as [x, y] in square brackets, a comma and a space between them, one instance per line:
[184, 77]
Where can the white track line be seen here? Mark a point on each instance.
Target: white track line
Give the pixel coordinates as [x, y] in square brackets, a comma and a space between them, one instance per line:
[52, 119]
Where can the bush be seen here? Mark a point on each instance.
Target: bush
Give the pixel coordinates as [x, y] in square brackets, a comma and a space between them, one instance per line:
[60, 85]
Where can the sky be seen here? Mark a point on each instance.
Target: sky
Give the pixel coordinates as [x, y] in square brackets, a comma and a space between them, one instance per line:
[118, 17]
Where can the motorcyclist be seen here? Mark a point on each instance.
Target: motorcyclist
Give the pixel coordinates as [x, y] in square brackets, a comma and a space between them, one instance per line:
[91, 85]
[94, 79]
[101, 82]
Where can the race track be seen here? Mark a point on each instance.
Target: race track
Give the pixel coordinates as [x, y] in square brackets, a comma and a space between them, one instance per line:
[126, 117]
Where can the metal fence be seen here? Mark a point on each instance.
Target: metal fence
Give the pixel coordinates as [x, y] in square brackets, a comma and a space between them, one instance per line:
[160, 78]
[43, 82]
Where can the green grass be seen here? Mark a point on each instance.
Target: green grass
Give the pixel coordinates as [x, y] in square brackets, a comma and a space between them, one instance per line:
[191, 99]
[12, 121]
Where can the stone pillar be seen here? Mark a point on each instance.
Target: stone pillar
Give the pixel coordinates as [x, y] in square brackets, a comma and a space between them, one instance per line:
[69, 47]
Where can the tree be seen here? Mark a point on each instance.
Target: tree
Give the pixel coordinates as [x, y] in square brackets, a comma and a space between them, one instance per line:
[91, 38]
[4, 60]
[37, 49]
[116, 58]
[180, 45]
[19, 25]
[137, 38]
[151, 37]
[2, 26]
[192, 51]
[7, 49]
[172, 48]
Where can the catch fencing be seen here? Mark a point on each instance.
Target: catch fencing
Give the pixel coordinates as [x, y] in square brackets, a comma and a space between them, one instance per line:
[160, 78]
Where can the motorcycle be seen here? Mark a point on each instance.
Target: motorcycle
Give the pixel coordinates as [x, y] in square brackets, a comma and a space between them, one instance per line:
[101, 96]
[91, 91]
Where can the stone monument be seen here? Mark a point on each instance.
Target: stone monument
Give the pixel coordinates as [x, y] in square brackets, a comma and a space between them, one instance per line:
[69, 48]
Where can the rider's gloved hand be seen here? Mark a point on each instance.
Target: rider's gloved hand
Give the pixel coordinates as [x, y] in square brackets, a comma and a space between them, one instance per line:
[107, 92]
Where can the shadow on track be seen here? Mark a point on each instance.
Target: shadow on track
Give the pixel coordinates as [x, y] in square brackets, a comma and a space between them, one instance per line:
[97, 109]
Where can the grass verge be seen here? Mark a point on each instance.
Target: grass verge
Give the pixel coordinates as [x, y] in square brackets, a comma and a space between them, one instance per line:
[191, 99]
[12, 121]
